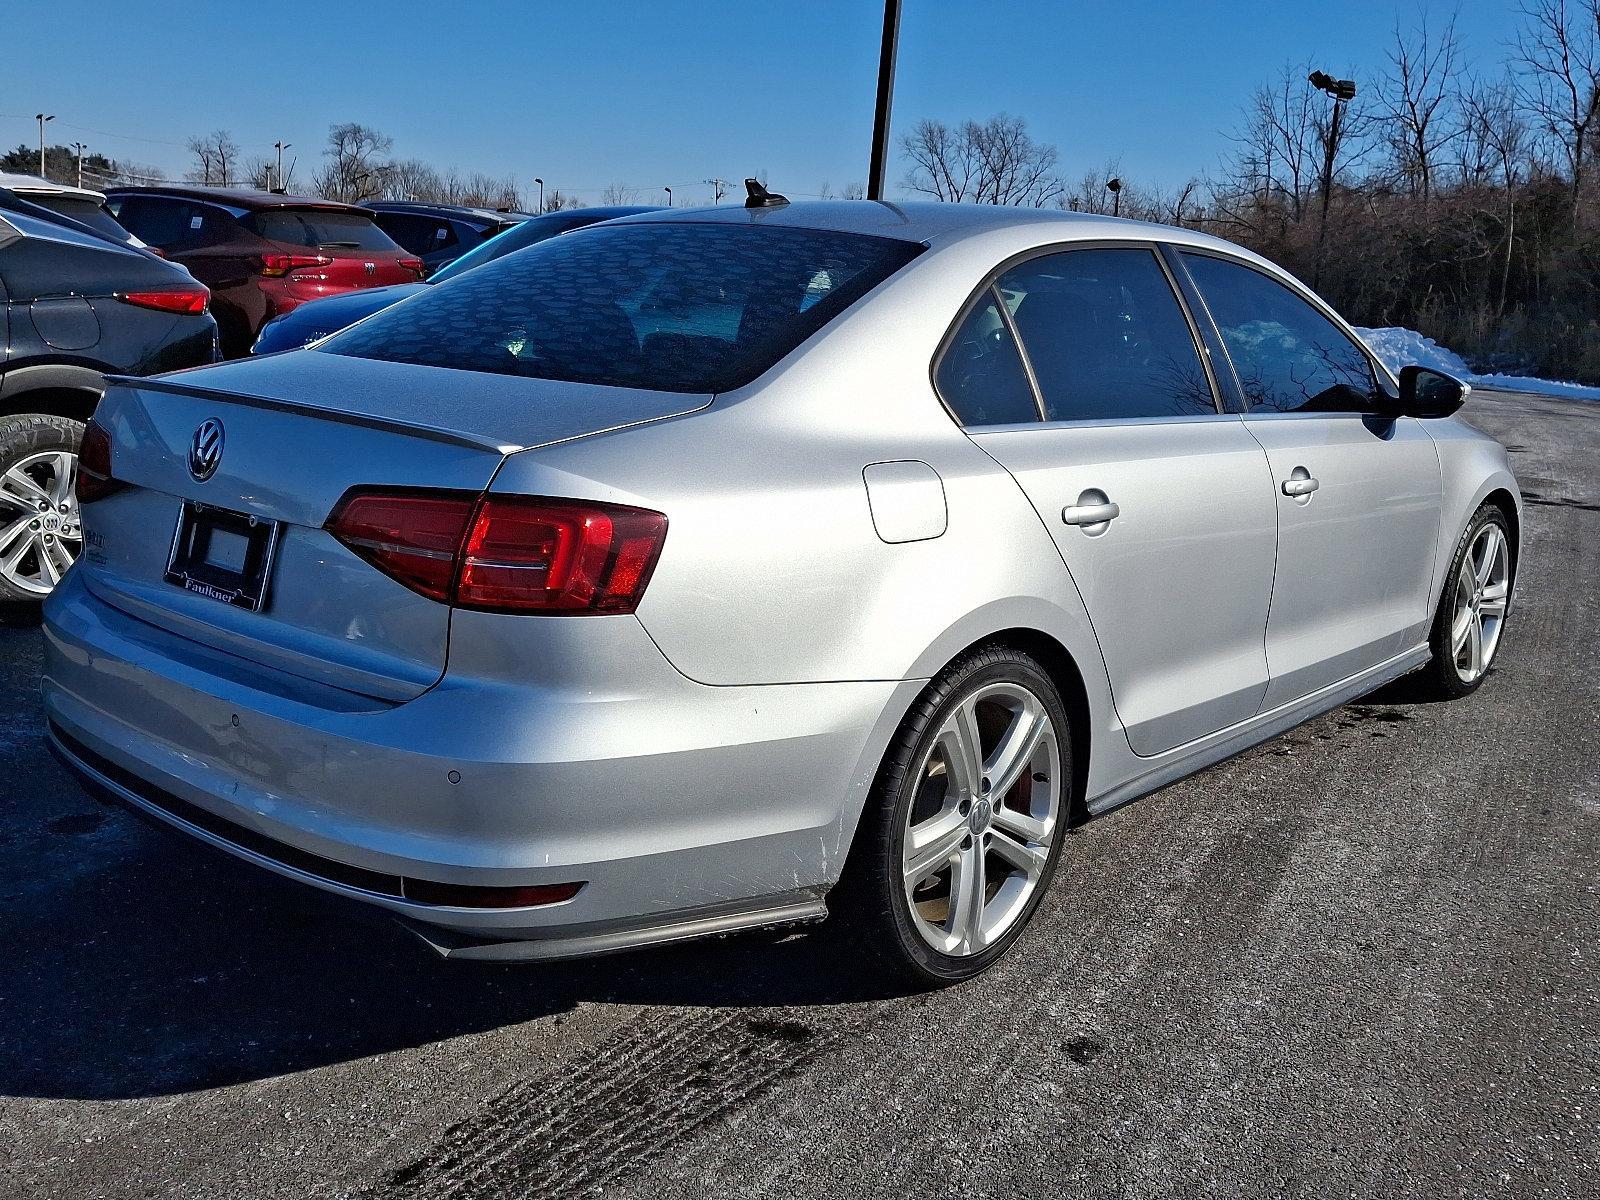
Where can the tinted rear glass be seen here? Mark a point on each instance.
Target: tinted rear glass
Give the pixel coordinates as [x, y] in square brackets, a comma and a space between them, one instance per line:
[91, 212]
[678, 308]
[324, 230]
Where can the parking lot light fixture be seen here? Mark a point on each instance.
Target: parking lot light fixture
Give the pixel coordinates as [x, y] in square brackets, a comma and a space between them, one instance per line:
[79, 148]
[1114, 186]
[540, 182]
[668, 191]
[41, 118]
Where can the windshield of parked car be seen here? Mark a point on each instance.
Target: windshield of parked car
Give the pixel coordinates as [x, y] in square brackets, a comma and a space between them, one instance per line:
[672, 307]
[320, 228]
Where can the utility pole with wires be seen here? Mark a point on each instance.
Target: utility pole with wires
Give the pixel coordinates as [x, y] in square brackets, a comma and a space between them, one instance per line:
[718, 186]
[79, 147]
[280, 147]
[41, 118]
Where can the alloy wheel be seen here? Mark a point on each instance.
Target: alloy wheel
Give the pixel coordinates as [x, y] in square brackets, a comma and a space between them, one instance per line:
[981, 824]
[1482, 591]
[40, 531]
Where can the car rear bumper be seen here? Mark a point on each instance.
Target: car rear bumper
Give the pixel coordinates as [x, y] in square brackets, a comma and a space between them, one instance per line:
[683, 809]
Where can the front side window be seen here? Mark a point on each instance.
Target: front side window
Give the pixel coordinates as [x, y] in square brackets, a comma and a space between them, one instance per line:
[981, 377]
[1106, 336]
[671, 307]
[1288, 356]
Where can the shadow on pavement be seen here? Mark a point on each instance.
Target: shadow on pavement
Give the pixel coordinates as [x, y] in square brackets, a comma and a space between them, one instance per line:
[153, 966]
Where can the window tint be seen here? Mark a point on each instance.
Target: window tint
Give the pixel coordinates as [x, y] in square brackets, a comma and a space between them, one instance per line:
[1288, 356]
[416, 232]
[318, 228]
[163, 223]
[1106, 336]
[90, 212]
[981, 376]
[681, 308]
[515, 237]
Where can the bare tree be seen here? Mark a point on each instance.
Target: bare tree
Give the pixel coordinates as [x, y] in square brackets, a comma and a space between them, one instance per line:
[412, 179]
[215, 158]
[996, 162]
[619, 193]
[1415, 97]
[555, 200]
[853, 191]
[1558, 56]
[355, 165]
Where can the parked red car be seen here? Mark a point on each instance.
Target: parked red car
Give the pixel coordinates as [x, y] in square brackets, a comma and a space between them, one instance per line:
[261, 253]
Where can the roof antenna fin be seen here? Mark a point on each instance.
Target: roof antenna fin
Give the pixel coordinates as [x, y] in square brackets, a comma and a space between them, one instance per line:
[759, 197]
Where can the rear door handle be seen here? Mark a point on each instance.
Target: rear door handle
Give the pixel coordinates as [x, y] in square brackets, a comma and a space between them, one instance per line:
[1091, 514]
[1300, 483]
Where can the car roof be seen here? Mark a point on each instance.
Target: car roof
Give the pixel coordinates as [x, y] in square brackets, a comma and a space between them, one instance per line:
[498, 216]
[931, 222]
[241, 199]
[33, 184]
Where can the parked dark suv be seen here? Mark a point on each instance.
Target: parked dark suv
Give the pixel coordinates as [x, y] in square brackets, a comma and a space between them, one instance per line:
[439, 233]
[260, 253]
[75, 306]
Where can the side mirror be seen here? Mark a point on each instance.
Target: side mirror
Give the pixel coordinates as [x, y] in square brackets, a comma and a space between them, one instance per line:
[1427, 393]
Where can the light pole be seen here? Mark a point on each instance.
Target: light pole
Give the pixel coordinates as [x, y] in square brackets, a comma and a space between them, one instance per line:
[887, 52]
[1343, 91]
[80, 148]
[41, 118]
[280, 147]
[1114, 186]
[668, 191]
[540, 182]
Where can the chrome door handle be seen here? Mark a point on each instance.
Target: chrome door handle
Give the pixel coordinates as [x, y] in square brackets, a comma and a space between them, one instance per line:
[1091, 514]
[1300, 483]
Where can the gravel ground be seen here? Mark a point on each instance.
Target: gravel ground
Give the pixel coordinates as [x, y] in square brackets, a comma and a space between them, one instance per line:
[1360, 959]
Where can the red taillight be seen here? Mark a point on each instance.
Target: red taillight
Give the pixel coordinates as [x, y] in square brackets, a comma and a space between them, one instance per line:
[414, 264]
[413, 537]
[190, 301]
[94, 481]
[505, 553]
[274, 265]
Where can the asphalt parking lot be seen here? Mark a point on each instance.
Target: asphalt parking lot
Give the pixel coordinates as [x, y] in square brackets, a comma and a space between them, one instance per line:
[1362, 959]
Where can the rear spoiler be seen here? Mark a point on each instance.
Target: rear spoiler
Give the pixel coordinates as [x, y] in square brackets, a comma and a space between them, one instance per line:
[179, 387]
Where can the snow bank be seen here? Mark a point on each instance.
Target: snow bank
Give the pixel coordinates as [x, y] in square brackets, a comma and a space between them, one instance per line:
[1405, 347]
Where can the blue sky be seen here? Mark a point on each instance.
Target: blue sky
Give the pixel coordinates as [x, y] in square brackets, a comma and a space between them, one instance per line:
[675, 91]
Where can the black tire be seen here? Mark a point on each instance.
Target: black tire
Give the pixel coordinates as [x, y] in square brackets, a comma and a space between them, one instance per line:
[20, 438]
[870, 904]
[1440, 680]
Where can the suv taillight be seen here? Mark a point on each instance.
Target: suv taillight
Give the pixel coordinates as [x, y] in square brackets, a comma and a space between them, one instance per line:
[94, 480]
[274, 265]
[505, 553]
[189, 301]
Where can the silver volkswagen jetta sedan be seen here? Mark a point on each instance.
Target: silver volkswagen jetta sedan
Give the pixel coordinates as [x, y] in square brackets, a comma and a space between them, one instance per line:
[712, 569]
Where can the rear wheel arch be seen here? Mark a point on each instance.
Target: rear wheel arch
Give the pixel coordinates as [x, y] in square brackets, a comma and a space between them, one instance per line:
[73, 403]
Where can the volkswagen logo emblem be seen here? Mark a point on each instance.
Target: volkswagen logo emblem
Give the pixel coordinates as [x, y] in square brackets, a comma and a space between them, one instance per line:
[205, 451]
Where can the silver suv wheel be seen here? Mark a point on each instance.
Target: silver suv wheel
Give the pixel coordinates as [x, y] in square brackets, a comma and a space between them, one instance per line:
[40, 532]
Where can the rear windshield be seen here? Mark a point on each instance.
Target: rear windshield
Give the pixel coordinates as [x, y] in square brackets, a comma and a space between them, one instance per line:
[677, 308]
[324, 230]
[80, 208]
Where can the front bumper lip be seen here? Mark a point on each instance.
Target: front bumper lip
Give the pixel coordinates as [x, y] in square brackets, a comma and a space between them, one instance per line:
[112, 784]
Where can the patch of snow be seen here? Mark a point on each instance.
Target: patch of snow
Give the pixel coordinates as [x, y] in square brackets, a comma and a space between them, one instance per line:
[1406, 347]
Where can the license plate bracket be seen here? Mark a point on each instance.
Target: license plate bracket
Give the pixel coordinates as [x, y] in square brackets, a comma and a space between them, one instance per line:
[223, 555]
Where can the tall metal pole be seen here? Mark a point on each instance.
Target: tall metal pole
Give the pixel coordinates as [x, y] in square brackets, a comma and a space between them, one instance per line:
[668, 191]
[41, 118]
[1327, 189]
[278, 175]
[540, 182]
[887, 53]
[80, 148]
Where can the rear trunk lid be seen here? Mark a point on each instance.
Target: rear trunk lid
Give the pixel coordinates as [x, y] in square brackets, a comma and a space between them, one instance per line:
[298, 431]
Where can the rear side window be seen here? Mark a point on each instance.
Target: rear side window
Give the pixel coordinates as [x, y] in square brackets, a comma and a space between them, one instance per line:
[170, 224]
[1288, 356]
[417, 233]
[1106, 336]
[981, 376]
[679, 308]
[319, 229]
